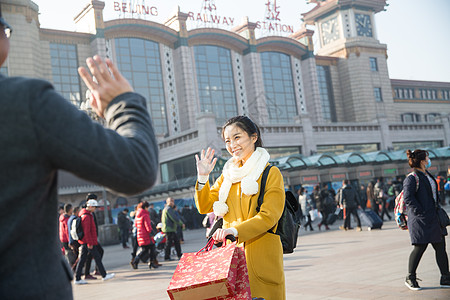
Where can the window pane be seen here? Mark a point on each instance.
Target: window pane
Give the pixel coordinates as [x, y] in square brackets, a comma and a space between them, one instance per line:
[377, 94]
[215, 81]
[279, 87]
[326, 93]
[64, 70]
[141, 63]
[373, 64]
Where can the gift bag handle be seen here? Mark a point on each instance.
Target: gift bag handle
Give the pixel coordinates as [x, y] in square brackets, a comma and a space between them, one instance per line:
[210, 243]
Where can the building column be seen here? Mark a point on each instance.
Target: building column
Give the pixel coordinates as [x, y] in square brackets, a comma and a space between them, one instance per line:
[446, 123]
[90, 20]
[185, 77]
[309, 145]
[385, 138]
[207, 132]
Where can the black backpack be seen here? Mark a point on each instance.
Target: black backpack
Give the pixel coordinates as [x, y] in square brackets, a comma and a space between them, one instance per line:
[289, 223]
[76, 229]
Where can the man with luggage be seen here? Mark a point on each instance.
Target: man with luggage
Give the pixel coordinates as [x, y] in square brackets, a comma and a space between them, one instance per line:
[349, 201]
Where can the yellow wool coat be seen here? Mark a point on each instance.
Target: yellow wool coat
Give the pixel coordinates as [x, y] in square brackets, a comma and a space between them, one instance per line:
[263, 250]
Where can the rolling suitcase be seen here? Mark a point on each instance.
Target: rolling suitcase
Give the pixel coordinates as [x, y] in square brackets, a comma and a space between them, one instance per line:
[370, 219]
[333, 217]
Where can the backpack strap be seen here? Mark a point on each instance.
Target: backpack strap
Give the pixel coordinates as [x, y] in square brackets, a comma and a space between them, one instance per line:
[263, 186]
[261, 191]
[417, 179]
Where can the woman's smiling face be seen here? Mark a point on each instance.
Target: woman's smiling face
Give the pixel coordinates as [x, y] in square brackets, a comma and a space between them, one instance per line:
[239, 144]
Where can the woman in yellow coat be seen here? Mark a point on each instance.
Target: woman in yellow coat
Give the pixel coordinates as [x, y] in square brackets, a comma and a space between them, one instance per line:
[235, 197]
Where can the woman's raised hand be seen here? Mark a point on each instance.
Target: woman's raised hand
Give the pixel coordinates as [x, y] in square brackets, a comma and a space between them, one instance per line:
[206, 162]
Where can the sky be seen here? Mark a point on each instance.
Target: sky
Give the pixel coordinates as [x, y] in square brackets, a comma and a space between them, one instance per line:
[415, 31]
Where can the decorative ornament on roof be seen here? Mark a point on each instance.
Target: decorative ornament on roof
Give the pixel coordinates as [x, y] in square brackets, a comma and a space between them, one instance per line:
[135, 9]
[271, 25]
[209, 13]
[209, 17]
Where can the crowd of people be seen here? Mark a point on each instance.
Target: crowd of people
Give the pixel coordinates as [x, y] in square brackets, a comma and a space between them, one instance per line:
[376, 195]
[81, 250]
[151, 233]
[156, 232]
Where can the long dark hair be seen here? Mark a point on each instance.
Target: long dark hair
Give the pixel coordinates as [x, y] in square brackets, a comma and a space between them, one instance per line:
[244, 123]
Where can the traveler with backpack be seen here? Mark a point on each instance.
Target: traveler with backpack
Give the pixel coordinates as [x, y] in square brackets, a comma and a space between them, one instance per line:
[73, 244]
[423, 224]
[89, 242]
[234, 196]
[348, 199]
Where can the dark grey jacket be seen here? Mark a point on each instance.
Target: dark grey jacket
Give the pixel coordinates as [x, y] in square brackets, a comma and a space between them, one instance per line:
[423, 224]
[41, 132]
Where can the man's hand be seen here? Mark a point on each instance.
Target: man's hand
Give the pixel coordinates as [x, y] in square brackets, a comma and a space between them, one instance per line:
[108, 84]
[90, 247]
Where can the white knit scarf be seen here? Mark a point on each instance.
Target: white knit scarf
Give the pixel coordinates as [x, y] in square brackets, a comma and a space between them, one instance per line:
[248, 174]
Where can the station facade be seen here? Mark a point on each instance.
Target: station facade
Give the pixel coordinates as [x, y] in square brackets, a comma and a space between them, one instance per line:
[329, 98]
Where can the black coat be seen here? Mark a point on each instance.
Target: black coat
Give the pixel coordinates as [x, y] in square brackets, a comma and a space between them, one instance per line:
[42, 132]
[348, 197]
[423, 224]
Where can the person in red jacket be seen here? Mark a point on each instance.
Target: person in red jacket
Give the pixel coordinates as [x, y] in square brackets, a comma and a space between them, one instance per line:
[89, 242]
[63, 230]
[144, 236]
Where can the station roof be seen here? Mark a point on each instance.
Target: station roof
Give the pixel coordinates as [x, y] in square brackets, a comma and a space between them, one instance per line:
[298, 161]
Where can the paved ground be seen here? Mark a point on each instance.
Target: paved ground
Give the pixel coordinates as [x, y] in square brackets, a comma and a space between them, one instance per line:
[326, 265]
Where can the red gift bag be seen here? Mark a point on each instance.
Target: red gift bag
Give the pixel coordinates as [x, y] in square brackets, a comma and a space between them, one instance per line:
[211, 274]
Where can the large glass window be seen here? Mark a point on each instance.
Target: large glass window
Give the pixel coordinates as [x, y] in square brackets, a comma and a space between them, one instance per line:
[431, 118]
[65, 71]
[215, 82]
[345, 148]
[140, 62]
[416, 145]
[326, 93]
[178, 169]
[276, 152]
[410, 118]
[279, 87]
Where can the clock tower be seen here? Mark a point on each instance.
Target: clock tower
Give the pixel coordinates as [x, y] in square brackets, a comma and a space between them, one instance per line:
[346, 30]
